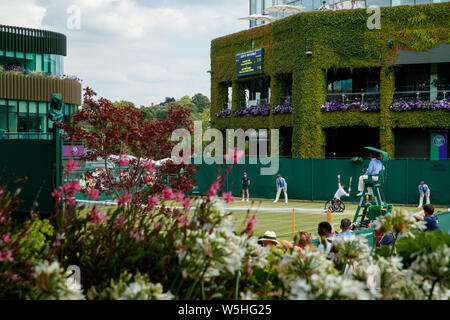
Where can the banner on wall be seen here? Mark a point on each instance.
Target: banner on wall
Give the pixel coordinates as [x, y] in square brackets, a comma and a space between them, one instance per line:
[73, 151]
[439, 146]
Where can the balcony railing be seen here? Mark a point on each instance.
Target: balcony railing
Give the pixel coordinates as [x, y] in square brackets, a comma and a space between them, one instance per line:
[425, 95]
[348, 97]
[285, 100]
[252, 103]
[226, 105]
[26, 136]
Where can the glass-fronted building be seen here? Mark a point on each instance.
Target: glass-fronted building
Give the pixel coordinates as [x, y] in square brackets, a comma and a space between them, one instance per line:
[31, 69]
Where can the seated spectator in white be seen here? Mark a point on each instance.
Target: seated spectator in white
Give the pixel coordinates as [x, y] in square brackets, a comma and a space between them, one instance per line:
[346, 228]
[325, 230]
[337, 6]
[428, 216]
[355, 5]
[324, 6]
[269, 239]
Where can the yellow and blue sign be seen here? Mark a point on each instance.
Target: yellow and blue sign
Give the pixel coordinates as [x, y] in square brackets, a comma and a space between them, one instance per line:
[250, 63]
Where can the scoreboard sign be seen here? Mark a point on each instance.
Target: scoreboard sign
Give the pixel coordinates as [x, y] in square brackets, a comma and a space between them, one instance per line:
[249, 63]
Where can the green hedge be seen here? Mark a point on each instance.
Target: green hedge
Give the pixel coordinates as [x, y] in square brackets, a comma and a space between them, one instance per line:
[338, 40]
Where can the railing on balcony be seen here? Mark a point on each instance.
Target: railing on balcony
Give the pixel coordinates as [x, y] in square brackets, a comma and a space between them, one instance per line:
[349, 97]
[26, 136]
[424, 95]
[251, 103]
[285, 100]
[226, 105]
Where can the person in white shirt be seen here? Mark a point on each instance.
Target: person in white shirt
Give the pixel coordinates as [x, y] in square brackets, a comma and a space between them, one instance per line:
[341, 190]
[324, 6]
[355, 5]
[337, 6]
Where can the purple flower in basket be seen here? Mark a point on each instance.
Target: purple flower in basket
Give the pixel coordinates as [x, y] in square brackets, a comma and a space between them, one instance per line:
[282, 108]
[352, 106]
[417, 104]
[223, 113]
[260, 110]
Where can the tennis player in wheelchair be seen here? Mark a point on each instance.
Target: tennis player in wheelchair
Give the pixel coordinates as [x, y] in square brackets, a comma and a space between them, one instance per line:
[336, 204]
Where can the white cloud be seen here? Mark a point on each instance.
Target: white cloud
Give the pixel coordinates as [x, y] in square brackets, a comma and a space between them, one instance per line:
[141, 51]
[24, 13]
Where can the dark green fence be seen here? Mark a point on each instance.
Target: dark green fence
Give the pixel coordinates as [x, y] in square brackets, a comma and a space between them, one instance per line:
[36, 160]
[316, 179]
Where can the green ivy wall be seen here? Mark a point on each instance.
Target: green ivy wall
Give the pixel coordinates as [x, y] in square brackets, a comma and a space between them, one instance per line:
[337, 40]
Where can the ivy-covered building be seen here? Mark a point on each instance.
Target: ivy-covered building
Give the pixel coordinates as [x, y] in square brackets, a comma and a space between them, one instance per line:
[31, 69]
[332, 85]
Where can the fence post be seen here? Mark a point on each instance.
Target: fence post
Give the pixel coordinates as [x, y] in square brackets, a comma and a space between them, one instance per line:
[407, 170]
[312, 179]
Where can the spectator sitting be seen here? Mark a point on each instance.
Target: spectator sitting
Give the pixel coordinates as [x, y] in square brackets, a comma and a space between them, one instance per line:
[324, 6]
[269, 239]
[325, 230]
[346, 228]
[337, 6]
[428, 216]
[303, 242]
[355, 5]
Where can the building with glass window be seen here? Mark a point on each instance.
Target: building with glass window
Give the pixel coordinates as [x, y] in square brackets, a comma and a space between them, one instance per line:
[333, 82]
[31, 69]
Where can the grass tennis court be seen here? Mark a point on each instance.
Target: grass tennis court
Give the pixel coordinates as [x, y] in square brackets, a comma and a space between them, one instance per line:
[281, 221]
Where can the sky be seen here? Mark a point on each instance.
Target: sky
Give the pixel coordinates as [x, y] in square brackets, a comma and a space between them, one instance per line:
[136, 50]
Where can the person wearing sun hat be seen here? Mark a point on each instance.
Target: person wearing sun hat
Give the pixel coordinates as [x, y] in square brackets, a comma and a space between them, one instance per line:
[269, 239]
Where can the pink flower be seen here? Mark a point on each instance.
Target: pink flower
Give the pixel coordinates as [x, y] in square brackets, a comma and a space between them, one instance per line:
[234, 155]
[71, 201]
[1, 191]
[97, 216]
[167, 194]
[123, 160]
[186, 204]
[124, 199]
[7, 256]
[214, 188]
[150, 166]
[120, 221]
[6, 238]
[251, 222]
[94, 194]
[71, 165]
[157, 224]
[179, 196]
[57, 194]
[227, 197]
[152, 201]
[249, 270]
[71, 188]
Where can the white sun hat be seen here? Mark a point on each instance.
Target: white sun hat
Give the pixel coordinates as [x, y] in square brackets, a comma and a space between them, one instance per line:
[269, 236]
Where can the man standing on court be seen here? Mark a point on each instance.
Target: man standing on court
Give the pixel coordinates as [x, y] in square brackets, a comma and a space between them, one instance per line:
[424, 190]
[281, 184]
[245, 184]
[375, 166]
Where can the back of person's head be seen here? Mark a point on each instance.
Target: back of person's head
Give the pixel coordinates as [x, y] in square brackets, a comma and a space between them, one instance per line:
[324, 229]
[372, 156]
[345, 224]
[343, 187]
[304, 240]
[429, 209]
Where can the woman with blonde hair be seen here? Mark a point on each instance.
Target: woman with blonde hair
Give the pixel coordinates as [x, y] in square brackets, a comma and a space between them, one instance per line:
[301, 241]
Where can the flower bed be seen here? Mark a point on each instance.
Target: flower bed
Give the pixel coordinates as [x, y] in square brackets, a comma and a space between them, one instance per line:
[411, 105]
[353, 106]
[282, 108]
[261, 110]
[224, 113]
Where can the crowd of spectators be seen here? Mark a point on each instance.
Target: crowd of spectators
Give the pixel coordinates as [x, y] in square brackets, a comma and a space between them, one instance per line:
[338, 6]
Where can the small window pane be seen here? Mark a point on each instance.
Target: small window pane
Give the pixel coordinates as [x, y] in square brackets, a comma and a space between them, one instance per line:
[30, 62]
[20, 55]
[10, 54]
[42, 108]
[22, 107]
[33, 108]
[39, 62]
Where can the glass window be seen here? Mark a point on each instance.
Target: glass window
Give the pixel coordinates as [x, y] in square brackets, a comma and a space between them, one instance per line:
[33, 108]
[53, 64]
[47, 63]
[42, 108]
[20, 55]
[2, 52]
[30, 62]
[3, 116]
[39, 62]
[10, 54]
[12, 116]
[22, 120]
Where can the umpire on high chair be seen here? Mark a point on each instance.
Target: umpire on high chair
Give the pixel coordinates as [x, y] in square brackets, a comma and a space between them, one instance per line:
[375, 166]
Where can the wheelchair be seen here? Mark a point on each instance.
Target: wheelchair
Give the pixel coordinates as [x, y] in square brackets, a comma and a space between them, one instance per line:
[334, 205]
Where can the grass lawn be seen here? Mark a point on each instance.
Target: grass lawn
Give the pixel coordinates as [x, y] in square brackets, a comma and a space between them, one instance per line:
[277, 217]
